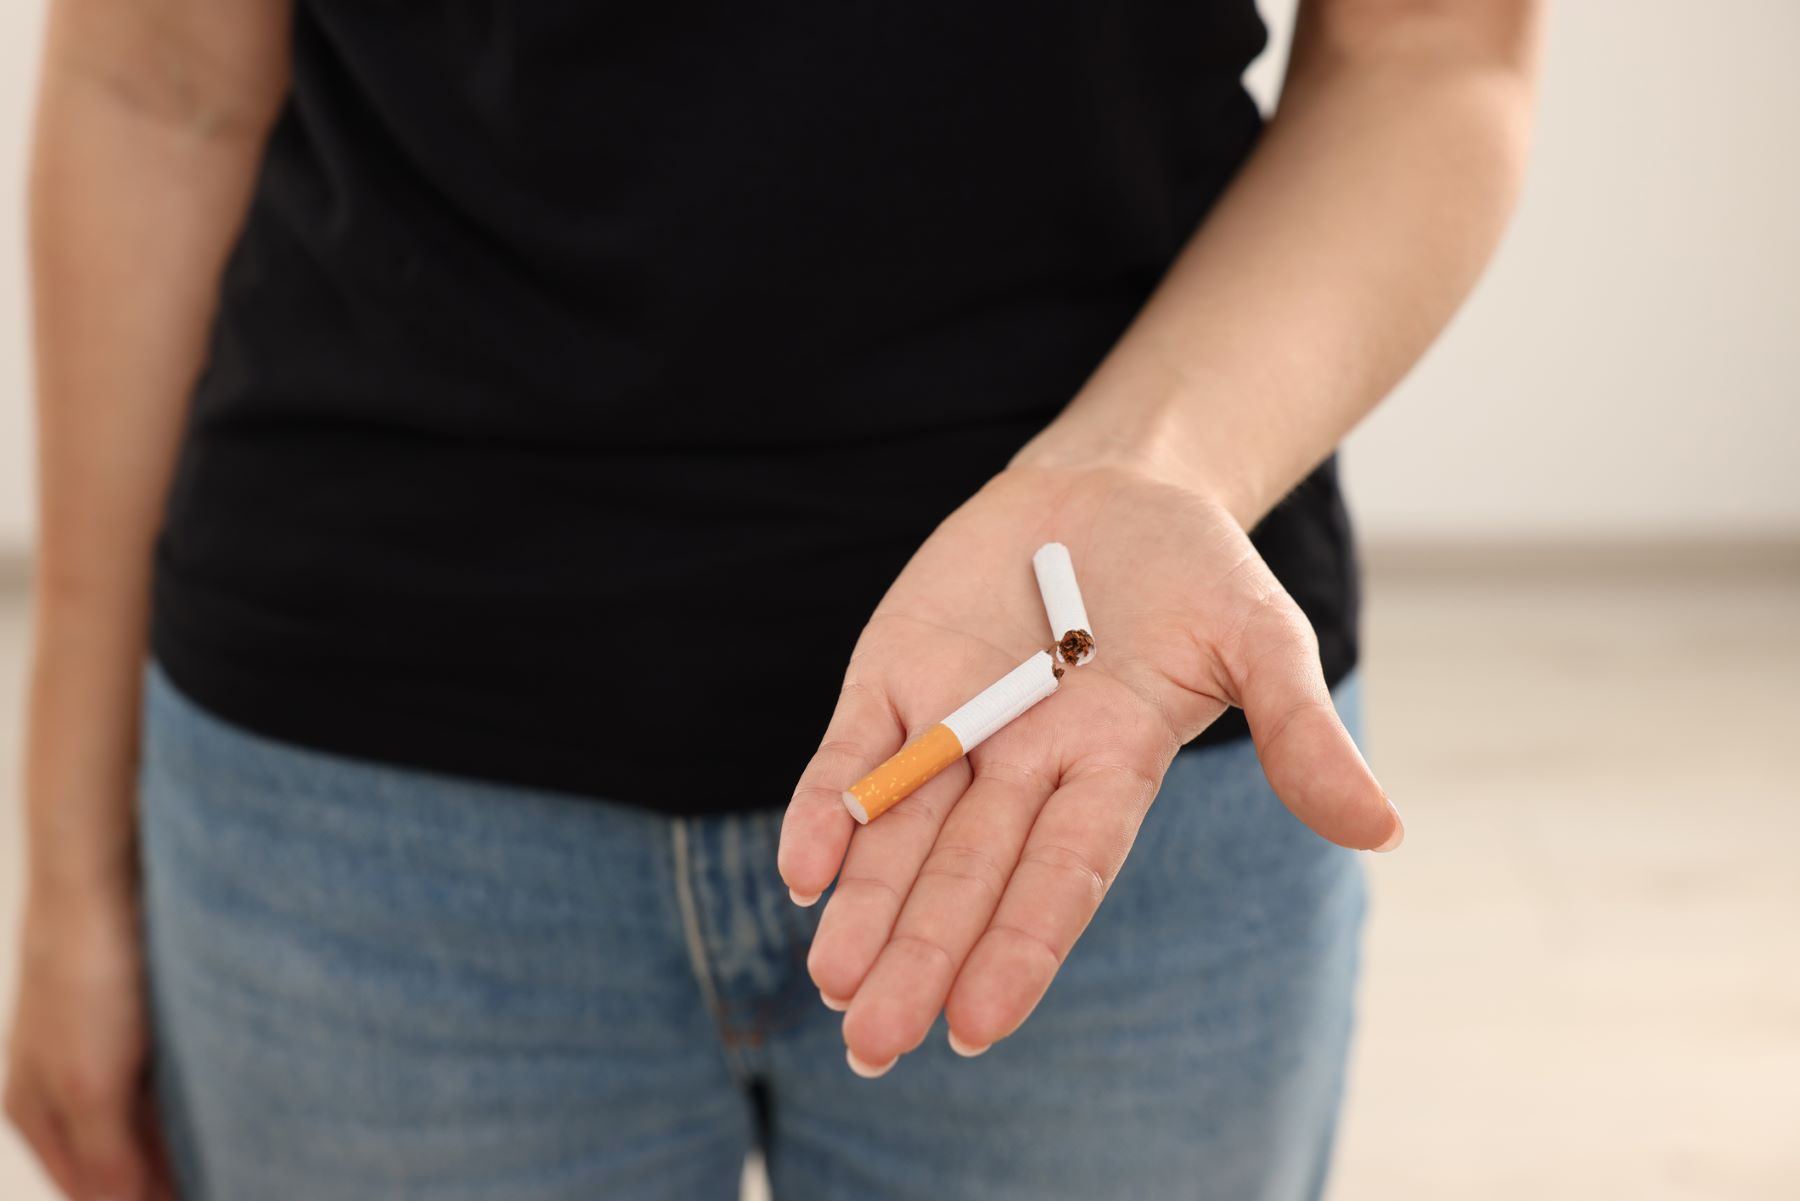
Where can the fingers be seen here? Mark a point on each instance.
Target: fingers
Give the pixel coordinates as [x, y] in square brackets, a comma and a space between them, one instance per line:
[816, 829]
[31, 1117]
[1071, 858]
[878, 874]
[956, 891]
[109, 1158]
[160, 1171]
[1309, 757]
[88, 1142]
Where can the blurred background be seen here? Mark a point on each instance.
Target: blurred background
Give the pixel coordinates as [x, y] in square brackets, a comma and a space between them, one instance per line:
[1582, 525]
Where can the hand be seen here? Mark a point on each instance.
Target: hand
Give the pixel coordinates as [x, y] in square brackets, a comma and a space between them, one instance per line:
[76, 1087]
[967, 896]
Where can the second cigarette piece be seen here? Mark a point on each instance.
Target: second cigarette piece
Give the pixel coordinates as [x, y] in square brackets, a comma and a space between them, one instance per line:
[949, 740]
[1062, 602]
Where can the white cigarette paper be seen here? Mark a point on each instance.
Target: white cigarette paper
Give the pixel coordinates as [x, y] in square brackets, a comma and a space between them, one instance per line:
[1003, 700]
[1062, 602]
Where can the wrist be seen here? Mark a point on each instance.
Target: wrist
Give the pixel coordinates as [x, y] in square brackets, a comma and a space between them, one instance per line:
[61, 878]
[80, 829]
[80, 766]
[1148, 427]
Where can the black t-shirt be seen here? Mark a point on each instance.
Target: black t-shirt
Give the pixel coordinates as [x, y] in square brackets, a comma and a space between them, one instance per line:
[570, 345]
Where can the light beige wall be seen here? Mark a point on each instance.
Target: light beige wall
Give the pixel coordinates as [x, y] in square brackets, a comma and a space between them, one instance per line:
[1630, 367]
[19, 22]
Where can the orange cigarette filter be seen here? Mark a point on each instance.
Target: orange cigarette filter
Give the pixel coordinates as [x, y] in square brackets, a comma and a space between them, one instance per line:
[904, 774]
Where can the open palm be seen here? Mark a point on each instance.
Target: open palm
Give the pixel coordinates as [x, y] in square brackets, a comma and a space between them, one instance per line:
[966, 897]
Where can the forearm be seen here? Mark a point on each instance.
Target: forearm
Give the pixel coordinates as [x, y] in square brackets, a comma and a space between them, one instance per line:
[142, 162]
[1357, 226]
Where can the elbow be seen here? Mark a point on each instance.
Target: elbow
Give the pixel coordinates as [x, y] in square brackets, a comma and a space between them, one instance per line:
[211, 82]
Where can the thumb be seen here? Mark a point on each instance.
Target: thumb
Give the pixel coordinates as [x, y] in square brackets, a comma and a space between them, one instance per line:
[1309, 757]
[108, 1157]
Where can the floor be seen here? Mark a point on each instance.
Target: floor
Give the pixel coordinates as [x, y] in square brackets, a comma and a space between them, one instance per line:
[1584, 969]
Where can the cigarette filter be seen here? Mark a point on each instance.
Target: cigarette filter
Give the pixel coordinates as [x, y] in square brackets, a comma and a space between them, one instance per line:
[1062, 601]
[952, 738]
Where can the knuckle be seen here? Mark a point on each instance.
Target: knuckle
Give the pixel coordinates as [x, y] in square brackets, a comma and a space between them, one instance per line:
[855, 690]
[832, 768]
[81, 1090]
[1285, 721]
[820, 793]
[1278, 611]
[923, 947]
[859, 703]
[1073, 865]
[1033, 941]
[1302, 632]
[884, 891]
[966, 863]
[836, 751]
[1272, 627]
[1268, 604]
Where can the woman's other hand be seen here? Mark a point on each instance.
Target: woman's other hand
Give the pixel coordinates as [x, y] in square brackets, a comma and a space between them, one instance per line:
[76, 1080]
[150, 121]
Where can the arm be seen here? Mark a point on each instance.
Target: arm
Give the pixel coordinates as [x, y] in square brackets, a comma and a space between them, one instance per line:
[1362, 219]
[1358, 224]
[149, 126]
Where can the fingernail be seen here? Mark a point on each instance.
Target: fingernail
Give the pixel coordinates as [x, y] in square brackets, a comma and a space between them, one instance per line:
[832, 1003]
[966, 1050]
[866, 1071]
[803, 899]
[1397, 837]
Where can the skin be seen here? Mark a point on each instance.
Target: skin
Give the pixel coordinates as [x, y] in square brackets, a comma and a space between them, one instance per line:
[1358, 225]
[1361, 220]
[150, 120]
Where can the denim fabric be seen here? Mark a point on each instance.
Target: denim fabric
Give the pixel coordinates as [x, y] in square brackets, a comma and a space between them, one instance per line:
[372, 982]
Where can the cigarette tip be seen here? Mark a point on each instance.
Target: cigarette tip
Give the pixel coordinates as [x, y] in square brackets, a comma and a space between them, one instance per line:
[1075, 647]
[856, 808]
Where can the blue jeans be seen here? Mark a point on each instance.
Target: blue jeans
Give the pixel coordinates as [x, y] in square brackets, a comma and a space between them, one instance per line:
[372, 982]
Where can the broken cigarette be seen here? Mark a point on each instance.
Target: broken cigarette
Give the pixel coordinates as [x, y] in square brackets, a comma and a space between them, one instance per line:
[952, 738]
[1062, 601]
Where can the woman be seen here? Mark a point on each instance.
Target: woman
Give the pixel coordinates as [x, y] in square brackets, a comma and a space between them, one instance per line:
[498, 420]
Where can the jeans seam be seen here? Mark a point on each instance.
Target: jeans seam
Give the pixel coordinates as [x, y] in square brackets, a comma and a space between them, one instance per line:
[692, 935]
